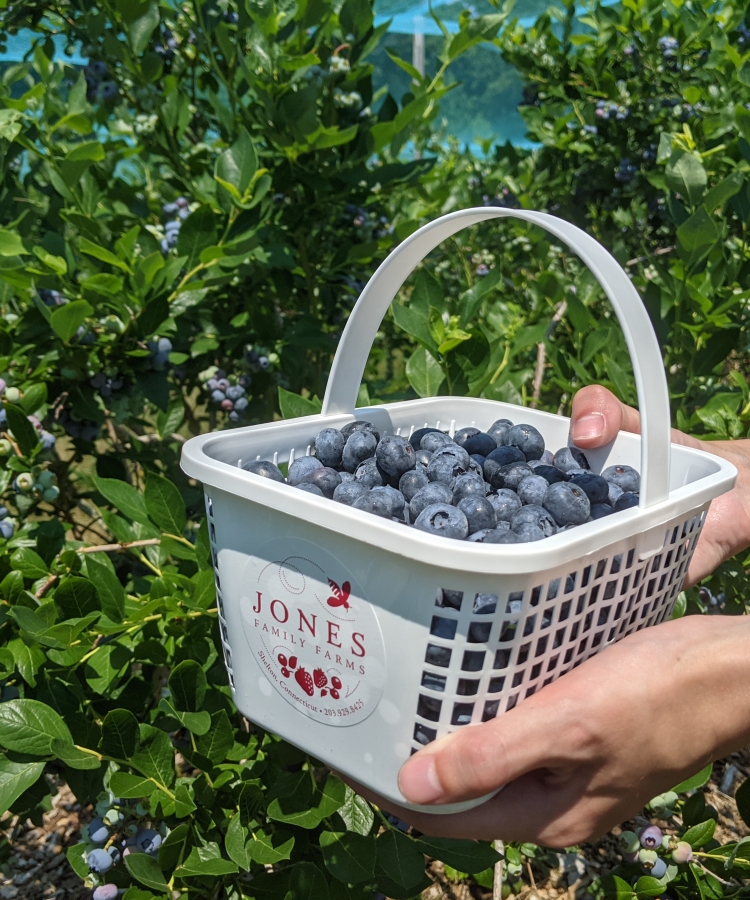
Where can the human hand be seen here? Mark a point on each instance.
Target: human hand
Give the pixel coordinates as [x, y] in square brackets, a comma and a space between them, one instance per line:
[589, 750]
[597, 417]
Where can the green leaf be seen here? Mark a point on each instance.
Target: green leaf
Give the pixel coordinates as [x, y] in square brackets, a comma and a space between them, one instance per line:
[66, 320]
[130, 787]
[120, 735]
[73, 757]
[23, 431]
[146, 869]
[105, 665]
[173, 848]
[56, 263]
[126, 498]
[188, 684]
[11, 244]
[425, 373]
[291, 801]
[268, 849]
[219, 740]
[697, 781]
[28, 726]
[235, 842]
[76, 855]
[88, 150]
[164, 504]
[28, 562]
[15, 778]
[250, 802]
[197, 722]
[742, 799]
[102, 573]
[466, 856]
[237, 165]
[648, 886]
[686, 176]
[91, 249]
[307, 882]
[155, 755]
[399, 858]
[293, 406]
[700, 834]
[77, 597]
[206, 861]
[698, 232]
[33, 398]
[184, 803]
[198, 231]
[331, 798]
[141, 30]
[169, 421]
[723, 191]
[348, 856]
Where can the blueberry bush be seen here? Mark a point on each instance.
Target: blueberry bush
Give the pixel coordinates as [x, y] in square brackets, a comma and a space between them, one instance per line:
[185, 224]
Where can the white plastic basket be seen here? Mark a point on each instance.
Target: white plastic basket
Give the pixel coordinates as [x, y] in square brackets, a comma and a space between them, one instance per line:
[280, 555]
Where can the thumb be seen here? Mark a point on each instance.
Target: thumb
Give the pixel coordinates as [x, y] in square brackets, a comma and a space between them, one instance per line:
[598, 415]
[480, 759]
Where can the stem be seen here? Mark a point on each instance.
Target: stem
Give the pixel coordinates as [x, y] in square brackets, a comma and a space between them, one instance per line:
[497, 877]
[107, 548]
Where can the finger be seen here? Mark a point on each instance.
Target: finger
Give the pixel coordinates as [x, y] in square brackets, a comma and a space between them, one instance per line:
[598, 415]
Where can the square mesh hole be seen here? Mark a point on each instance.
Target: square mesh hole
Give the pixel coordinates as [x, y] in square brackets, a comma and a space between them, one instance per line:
[473, 660]
[438, 656]
[429, 708]
[423, 734]
[449, 599]
[462, 713]
[479, 632]
[515, 602]
[433, 682]
[484, 604]
[490, 710]
[467, 687]
[502, 658]
[496, 684]
[443, 628]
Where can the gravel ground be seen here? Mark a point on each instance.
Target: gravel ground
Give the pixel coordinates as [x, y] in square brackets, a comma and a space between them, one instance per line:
[36, 867]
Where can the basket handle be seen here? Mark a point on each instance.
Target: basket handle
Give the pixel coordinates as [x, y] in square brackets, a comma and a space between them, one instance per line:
[651, 384]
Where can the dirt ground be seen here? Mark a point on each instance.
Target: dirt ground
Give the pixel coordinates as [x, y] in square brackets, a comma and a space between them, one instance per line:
[37, 868]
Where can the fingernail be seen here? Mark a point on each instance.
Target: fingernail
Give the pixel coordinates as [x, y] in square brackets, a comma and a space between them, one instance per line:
[587, 427]
[418, 780]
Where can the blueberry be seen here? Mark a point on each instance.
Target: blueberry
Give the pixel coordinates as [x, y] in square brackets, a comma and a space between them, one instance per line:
[615, 493]
[241, 404]
[594, 486]
[480, 443]
[435, 492]
[411, 482]
[147, 839]
[510, 476]
[349, 491]
[398, 501]
[651, 837]
[625, 477]
[600, 510]
[533, 489]
[309, 488]
[346, 476]
[359, 425]
[360, 445]
[422, 458]
[658, 868]
[443, 519]
[300, 468]
[329, 445]
[447, 463]
[568, 458]
[682, 853]
[626, 500]
[105, 892]
[506, 503]
[417, 436]
[468, 485]
[479, 460]
[434, 440]
[489, 536]
[528, 533]
[503, 537]
[265, 468]
[235, 391]
[499, 430]
[218, 396]
[463, 435]
[629, 842]
[3, 512]
[479, 512]
[325, 478]
[567, 503]
[528, 440]
[378, 504]
[99, 861]
[534, 515]
[480, 537]
[98, 831]
[550, 473]
[369, 474]
[395, 455]
[502, 456]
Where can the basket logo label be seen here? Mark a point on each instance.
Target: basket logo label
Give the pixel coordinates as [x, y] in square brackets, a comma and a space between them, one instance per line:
[314, 636]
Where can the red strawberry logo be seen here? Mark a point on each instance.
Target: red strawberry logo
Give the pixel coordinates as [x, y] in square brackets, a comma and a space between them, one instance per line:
[304, 680]
[320, 678]
[336, 682]
[340, 595]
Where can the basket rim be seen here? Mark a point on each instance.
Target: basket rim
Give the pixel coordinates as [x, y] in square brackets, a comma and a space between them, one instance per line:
[645, 525]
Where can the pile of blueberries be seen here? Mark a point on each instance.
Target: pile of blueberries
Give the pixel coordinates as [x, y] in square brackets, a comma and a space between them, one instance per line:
[495, 487]
[641, 846]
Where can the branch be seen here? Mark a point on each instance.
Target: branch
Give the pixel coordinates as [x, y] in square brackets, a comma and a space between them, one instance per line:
[639, 259]
[106, 548]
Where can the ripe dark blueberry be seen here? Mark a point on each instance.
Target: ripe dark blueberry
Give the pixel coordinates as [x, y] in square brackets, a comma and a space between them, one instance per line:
[360, 445]
[447, 463]
[265, 468]
[499, 431]
[417, 436]
[378, 504]
[349, 491]
[398, 501]
[551, 474]
[479, 513]
[528, 440]
[567, 503]
[534, 515]
[395, 455]
[218, 396]
[625, 477]
[479, 537]
[235, 391]
[98, 831]
[614, 495]
[411, 482]
[463, 435]
[480, 443]
[594, 486]
[369, 474]
[360, 425]
[435, 492]
[434, 440]
[300, 469]
[422, 458]
[241, 405]
[532, 489]
[468, 485]
[528, 532]
[504, 537]
[510, 476]
[651, 837]
[108, 90]
[568, 458]
[506, 503]
[445, 520]
[99, 861]
[502, 456]
[325, 478]
[329, 445]
[147, 840]
[626, 500]
[600, 510]
[309, 488]
[479, 460]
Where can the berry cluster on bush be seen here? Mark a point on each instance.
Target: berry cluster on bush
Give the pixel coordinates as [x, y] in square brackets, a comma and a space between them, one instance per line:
[98, 86]
[228, 394]
[181, 209]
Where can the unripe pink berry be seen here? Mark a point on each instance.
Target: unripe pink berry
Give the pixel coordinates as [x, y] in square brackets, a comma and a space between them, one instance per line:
[682, 853]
